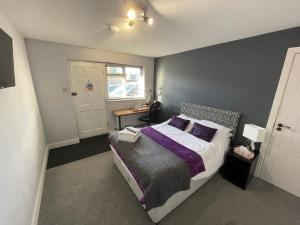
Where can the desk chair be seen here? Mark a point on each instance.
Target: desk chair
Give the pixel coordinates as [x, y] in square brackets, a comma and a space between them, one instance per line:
[152, 116]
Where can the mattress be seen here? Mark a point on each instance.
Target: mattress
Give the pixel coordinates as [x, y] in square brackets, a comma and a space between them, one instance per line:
[157, 214]
[212, 153]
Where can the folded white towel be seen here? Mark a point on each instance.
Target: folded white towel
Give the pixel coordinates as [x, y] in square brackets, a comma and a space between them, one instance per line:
[129, 134]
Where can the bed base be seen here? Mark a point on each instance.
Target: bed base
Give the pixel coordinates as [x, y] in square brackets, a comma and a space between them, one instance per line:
[157, 214]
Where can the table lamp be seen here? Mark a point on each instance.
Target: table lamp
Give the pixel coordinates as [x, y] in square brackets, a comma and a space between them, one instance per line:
[254, 134]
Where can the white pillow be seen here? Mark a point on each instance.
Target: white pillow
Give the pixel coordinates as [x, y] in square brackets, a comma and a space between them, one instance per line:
[190, 125]
[207, 123]
[216, 126]
[185, 117]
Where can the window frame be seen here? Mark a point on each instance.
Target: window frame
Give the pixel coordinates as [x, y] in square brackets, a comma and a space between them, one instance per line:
[123, 75]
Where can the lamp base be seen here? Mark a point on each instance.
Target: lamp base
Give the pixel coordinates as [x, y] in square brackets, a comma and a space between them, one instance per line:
[252, 146]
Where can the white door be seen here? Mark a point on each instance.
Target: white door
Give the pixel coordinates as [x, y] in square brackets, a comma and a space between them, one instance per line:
[87, 84]
[282, 162]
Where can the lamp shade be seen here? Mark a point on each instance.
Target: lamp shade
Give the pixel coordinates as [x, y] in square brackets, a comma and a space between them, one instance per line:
[254, 133]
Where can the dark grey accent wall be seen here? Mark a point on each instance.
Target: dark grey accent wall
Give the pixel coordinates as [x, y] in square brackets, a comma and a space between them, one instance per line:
[241, 76]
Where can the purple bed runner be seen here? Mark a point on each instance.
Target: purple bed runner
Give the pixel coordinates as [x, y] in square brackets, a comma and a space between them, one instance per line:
[191, 158]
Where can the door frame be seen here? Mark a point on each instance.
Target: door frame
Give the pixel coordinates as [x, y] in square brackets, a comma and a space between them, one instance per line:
[71, 90]
[281, 87]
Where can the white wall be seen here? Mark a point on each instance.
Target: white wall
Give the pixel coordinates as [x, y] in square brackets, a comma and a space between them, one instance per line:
[49, 65]
[22, 140]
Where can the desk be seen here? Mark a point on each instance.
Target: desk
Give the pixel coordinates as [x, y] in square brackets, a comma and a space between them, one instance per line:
[126, 112]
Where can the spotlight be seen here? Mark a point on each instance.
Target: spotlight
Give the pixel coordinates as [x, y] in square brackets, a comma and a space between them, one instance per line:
[131, 14]
[150, 20]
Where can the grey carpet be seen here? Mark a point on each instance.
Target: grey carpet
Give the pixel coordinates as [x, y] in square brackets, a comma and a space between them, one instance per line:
[91, 191]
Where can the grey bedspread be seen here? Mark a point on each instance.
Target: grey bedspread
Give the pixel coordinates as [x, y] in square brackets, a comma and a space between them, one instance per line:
[158, 172]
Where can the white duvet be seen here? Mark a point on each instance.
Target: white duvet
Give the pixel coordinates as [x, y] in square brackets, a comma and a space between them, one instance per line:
[212, 153]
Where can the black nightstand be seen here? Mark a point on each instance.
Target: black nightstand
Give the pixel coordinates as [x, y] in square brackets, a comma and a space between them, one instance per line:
[239, 170]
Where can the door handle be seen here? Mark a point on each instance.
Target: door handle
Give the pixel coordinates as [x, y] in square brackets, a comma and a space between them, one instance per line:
[280, 126]
[74, 93]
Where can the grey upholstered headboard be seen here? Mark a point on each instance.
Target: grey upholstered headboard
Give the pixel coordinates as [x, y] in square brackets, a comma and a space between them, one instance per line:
[226, 118]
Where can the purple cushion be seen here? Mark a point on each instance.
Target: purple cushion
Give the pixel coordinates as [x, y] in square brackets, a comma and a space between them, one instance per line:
[203, 132]
[179, 122]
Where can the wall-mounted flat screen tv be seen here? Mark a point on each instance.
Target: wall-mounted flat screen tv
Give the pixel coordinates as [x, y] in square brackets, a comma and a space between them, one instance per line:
[7, 74]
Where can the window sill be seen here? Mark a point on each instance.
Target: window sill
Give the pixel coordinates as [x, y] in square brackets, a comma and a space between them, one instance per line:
[124, 99]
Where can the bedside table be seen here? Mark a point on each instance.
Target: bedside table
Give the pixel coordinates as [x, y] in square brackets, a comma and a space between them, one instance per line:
[239, 170]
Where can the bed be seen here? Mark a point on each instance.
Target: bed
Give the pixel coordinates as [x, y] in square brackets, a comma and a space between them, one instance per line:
[212, 154]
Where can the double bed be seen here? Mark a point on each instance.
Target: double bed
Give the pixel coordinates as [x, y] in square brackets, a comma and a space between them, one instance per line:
[211, 154]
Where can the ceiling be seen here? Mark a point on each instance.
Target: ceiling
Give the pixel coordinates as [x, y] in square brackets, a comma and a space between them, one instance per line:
[178, 25]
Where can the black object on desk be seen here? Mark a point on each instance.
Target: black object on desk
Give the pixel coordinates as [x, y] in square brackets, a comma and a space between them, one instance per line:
[153, 114]
[239, 170]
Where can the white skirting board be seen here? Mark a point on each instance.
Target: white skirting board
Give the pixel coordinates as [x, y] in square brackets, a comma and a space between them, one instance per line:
[37, 204]
[64, 143]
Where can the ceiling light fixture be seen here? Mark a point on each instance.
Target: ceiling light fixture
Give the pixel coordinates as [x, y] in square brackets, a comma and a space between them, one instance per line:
[131, 22]
[149, 20]
[132, 16]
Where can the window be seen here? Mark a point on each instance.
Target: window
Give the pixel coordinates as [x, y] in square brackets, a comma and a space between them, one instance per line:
[124, 82]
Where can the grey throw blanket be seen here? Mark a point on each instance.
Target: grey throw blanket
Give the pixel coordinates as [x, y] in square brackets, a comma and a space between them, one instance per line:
[158, 172]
